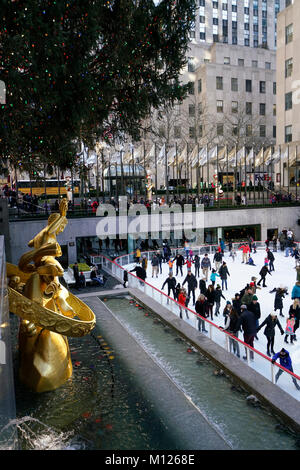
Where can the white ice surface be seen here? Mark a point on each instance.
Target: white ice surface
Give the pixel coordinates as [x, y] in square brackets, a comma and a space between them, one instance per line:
[240, 275]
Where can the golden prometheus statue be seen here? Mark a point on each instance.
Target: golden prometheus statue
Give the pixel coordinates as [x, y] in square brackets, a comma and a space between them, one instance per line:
[48, 311]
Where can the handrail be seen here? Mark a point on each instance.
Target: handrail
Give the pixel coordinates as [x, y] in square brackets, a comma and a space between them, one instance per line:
[212, 325]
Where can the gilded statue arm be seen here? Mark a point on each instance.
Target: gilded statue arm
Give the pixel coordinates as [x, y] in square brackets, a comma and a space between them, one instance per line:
[62, 220]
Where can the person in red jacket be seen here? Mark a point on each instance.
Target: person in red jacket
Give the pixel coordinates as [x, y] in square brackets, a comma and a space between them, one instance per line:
[182, 299]
[246, 249]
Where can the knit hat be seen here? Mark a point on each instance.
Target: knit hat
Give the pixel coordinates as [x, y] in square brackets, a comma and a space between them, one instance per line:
[244, 306]
[218, 286]
[228, 302]
[251, 284]
[254, 297]
[235, 295]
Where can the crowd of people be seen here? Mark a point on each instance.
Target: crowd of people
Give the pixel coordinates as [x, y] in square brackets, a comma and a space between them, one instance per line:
[242, 313]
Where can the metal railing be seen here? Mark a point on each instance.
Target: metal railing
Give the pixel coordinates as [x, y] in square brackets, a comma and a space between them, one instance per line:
[254, 358]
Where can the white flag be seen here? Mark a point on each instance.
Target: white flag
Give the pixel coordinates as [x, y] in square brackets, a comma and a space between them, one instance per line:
[203, 156]
[250, 156]
[212, 154]
[161, 154]
[194, 157]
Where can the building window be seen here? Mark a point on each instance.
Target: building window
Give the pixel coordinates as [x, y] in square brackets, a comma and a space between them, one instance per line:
[248, 130]
[220, 129]
[262, 109]
[219, 83]
[234, 84]
[192, 133]
[248, 108]
[241, 62]
[177, 132]
[191, 65]
[274, 110]
[289, 33]
[201, 19]
[262, 87]
[288, 100]
[199, 85]
[288, 67]
[191, 110]
[274, 88]
[249, 86]
[226, 60]
[268, 65]
[191, 88]
[288, 134]
[219, 106]
[262, 131]
[274, 132]
[254, 63]
[234, 107]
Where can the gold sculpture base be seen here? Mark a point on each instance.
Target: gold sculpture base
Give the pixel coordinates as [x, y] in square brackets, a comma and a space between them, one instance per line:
[45, 360]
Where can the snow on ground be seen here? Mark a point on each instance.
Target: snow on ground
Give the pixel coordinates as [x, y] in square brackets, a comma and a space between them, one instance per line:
[240, 275]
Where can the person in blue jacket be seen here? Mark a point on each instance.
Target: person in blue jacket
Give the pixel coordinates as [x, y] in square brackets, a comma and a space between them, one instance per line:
[286, 362]
[296, 291]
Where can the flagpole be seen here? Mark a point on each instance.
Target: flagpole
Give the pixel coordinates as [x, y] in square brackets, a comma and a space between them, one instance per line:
[288, 174]
[254, 181]
[186, 169]
[207, 169]
[245, 175]
[296, 179]
[263, 185]
[280, 168]
[155, 160]
[235, 171]
[198, 173]
[272, 150]
[166, 175]
[145, 173]
[217, 181]
[226, 150]
[177, 174]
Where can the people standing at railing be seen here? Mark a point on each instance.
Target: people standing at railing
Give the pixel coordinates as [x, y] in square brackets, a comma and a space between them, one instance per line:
[192, 284]
[205, 265]
[247, 321]
[226, 311]
[140, 272]
[201, 307]
[125, 278]
[270, 323]
[171, 283]
[182, 300]
[223, 271]
[236, 303]
[177, 291]
[254, 307]
[232, 329]
[197, 265]
[138, 255]
[286, 362]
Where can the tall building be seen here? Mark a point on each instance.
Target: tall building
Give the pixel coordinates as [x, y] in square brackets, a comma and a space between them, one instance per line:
[288, 75]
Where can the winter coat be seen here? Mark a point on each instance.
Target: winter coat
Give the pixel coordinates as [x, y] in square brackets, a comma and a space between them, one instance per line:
[171, 283]
[218, 256]
[205, 263]
[140, 272]
[213, 276]
[210, 295]
[144, 263]
[295, 311]
[270, 256]
[278, 304]
[154, 261]
[191, 281]
[247, 321]
[218, 295]
[290, 324]
[223, 271]
[182, 299]
[202, 287]
[246, 299]
[285, 362]
[233, 321]
[202, 308]
[245, 248]
[179, 260]
[270, 327]
[264, 270]
[197, 261]
[296, 292]
[255, 308]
